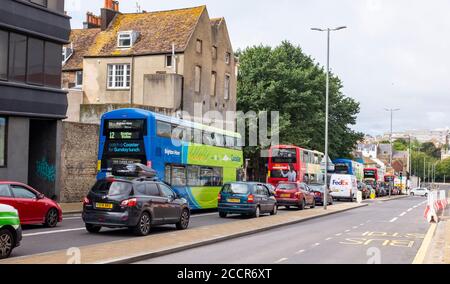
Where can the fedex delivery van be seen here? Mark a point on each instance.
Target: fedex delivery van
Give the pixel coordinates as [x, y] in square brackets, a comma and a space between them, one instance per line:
[344, 187]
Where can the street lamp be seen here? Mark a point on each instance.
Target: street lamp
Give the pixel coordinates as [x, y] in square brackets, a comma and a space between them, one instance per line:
[390, 140]
[328, 30]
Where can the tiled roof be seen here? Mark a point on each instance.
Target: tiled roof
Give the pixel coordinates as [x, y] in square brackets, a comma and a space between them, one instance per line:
[157, 32]
[81, 40]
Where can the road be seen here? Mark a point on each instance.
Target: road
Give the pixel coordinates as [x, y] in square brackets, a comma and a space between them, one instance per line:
[384, 232]
[71, 233]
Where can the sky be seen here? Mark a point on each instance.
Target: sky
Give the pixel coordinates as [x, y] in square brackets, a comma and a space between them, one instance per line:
[394, 54]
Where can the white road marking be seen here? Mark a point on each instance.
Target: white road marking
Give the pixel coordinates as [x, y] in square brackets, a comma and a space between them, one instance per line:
[355, 227]
[393, 220]
[53, 232]
[316, 244]
[361, 224]
[204, 215]
[300, 251]
[347, 231]
[338, 235]
[403, 214]
[71, 218]
[329, 239]
[409, 210]
[281, 260]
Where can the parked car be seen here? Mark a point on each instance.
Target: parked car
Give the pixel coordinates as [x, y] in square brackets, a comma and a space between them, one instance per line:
[33, 207]
[420, 192]
[10, 230]
[343, 187]
[319, 191]
[294, 194]
[365, 190]
[246, 198]
[383, 192]
[137, 204]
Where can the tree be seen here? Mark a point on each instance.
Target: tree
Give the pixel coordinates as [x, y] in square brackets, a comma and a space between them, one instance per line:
[401, 145]
[443, 170]
[431, 150]
[284, 79]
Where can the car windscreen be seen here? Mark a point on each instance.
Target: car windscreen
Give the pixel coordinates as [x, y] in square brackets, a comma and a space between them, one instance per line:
[236, 189]
[317, 187]
[115, 188]
[287, 186]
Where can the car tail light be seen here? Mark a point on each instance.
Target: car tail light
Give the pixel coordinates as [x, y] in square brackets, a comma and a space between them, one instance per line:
[318, 194]
[251, 198]
[86, 201]
[297, 195]
[219, 197]
[129, 203]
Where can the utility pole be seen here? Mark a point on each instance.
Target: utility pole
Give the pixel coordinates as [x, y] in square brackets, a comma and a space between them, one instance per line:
[327, 102]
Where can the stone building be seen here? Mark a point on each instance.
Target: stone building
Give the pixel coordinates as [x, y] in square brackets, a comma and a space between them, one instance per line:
[166, 61]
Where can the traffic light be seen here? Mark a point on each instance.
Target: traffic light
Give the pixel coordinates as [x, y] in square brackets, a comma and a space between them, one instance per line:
[401, 175]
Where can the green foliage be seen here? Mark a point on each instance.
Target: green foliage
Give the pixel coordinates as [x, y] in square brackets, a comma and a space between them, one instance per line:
[431, 150]
[443, 169]
[401, 145]
[284, 79]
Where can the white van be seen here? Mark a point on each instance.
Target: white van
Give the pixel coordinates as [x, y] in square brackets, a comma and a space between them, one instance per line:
[344, 187]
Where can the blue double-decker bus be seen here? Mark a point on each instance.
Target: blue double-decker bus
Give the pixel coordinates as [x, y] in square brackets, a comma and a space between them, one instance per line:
[196, 160]
[349, 167]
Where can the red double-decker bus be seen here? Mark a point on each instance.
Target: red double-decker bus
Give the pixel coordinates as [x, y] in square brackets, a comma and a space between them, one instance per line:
[306, 164]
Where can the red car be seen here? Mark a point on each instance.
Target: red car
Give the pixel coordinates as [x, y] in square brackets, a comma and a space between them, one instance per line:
[294, 194]
[33, 206]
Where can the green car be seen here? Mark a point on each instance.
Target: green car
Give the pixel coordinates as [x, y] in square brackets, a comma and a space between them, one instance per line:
[10, 230]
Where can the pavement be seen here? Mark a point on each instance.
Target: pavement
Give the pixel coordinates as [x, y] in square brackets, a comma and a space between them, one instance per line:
[72, 208]
[382, 233]
[134, 249]
[438, 249]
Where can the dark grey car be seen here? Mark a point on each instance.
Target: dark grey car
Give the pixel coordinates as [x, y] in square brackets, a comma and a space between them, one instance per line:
[137, 205]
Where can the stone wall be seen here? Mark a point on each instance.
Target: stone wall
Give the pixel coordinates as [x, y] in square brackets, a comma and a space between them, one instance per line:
[78, 160]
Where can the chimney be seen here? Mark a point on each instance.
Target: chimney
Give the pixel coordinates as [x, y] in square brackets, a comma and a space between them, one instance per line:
[109, 12]
[92, 21]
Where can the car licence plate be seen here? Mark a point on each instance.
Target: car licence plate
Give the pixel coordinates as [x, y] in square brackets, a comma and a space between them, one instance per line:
[233, 200]
[103, 206]
[285, 196]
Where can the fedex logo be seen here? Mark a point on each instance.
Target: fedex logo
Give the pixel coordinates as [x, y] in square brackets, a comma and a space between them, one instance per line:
[340, 182]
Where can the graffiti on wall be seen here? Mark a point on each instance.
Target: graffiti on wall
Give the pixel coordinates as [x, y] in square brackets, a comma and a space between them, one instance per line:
[45, 171]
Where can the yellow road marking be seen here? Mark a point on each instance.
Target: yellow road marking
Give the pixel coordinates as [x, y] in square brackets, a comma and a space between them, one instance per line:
[422, 253]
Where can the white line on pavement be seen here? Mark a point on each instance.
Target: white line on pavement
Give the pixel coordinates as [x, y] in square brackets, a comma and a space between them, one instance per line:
[338, 235]
[316, 244]
[403, 214]
[355, 227]
[347, 231]
[409, 210]
[329, 239]
[393, 220]
[53, 232]
[71, 218]
[281, 260]
[300, 251]
[204, 215]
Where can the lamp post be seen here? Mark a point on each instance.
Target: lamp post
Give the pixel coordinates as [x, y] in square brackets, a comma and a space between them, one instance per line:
[327, 100]
[391, 142]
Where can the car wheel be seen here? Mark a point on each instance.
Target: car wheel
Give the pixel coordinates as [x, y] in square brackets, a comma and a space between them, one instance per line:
[6, 243]
[426, 195]
[51, 219]
[223, 215]
[93, 229]
[184, 221]
[274, 211]
[412, 194]
[302, 205]
[144, 225]
[257, 213]
[313, 204]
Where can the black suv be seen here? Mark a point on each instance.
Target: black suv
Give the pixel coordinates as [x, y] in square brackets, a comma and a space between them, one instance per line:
[136, 204]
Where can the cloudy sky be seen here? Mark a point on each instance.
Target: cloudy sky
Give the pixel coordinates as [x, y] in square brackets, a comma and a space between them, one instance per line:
[395, 53]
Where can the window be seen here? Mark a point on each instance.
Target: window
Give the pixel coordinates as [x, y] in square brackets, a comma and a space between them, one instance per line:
[66, 53]
[163, 129]
[4, 55]
[213, 83]
[17, 57]
[21, 192]
[193, 174]
[167, 192]
[169, 61]
[52, 67]
[151, 189]
[198, 79]
[199, 46]
[2, 142]
[214, 52]
[4, 190]
[178, 176]
[124, 39]
[35, 64]
[39, 2]
[119, 76]
[78, 79]
[226, 94]
[227, 58]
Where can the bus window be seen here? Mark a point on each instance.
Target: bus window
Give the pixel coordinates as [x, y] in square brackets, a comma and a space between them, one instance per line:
[219, 140]
[163, 129]
[284, 156]
[178, 176]
[193, 175]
